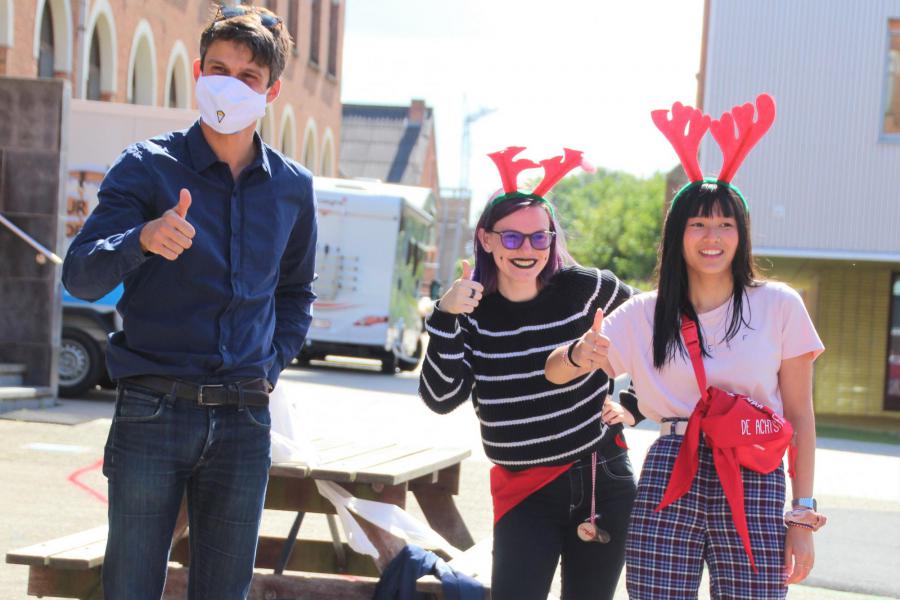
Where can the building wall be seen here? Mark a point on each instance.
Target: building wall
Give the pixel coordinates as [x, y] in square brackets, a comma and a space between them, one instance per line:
[849, 303]
[824, 179]
[309, 106]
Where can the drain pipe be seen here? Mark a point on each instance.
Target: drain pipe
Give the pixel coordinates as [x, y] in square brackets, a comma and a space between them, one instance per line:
[80, 54]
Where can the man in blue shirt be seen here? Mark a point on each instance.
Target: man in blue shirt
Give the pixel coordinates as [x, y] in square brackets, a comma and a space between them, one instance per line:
[213, 234]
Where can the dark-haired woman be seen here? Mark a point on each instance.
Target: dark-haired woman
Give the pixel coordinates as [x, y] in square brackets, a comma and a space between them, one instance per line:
[757, 339]
[490, 336]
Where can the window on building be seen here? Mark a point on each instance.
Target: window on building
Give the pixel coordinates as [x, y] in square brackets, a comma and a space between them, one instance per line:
[292, 18]
[173, 91]
[93, 81]
[892, 393]
[327, 164]
[309, 150]
[45, 54]
[333, 17]
[315, 26]
[143, 74]
[892, 85]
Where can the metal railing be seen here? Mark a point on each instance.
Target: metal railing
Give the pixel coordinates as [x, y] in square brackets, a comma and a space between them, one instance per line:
[44, 254]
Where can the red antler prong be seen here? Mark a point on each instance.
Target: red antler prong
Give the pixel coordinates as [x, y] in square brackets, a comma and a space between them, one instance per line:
[736, 146]
[556, 168]
[684, 131]
[509, 168]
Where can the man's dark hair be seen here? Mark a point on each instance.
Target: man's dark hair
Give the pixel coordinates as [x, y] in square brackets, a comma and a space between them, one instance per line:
[269, 45]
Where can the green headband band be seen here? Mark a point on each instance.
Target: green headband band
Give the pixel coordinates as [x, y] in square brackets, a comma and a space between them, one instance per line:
[694, 184]
[521, 196]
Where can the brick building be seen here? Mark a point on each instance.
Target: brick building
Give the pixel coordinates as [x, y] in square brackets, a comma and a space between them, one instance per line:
[141, 52]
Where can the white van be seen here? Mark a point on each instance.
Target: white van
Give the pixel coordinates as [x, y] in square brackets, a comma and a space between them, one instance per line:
[374, 239]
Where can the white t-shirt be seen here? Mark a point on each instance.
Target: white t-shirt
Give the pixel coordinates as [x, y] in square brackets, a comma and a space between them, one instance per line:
[780, 328]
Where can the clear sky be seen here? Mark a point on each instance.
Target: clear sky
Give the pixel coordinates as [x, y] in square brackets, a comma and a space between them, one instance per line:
[578, 73]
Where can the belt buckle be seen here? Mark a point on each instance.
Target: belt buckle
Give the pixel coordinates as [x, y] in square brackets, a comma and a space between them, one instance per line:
[201, 401]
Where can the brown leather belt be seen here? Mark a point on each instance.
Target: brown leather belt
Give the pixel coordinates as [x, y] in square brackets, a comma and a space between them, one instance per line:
[255, 392]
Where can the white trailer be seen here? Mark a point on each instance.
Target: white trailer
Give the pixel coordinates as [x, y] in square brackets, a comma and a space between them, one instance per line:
[374, 239]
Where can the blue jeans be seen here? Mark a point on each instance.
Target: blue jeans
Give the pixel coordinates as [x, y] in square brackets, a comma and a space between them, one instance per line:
[158, 449]
[530, 539]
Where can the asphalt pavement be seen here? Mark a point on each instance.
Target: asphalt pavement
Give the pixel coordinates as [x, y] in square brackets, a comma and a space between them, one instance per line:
[52, 485]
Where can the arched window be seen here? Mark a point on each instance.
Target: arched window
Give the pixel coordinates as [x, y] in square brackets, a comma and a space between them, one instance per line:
[178, 82]
[52, 37]
[334, 15]
[327, 169]
[142, 69]
[266, 127]
[6, 22]
[309, 146]
[46, 50]
[315, 28]
[93, 81]
[99, 69]
[287, 142]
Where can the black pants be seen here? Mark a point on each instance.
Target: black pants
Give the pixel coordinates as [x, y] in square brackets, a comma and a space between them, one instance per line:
[530, 538]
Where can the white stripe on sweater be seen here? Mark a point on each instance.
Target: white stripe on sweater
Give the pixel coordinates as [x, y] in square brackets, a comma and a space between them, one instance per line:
[546, 438]
[434, 366]
[551, 392]
[611, 297]
[437, 398]
[510, 376]
[546, 416]
[441, 333]
[547, 459]
[452, 356]
[543, 326]
[500, 355]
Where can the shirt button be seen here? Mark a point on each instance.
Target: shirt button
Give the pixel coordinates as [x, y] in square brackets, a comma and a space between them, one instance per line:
[224, 347]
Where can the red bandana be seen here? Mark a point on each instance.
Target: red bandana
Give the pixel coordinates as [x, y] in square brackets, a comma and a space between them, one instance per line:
[739, 431]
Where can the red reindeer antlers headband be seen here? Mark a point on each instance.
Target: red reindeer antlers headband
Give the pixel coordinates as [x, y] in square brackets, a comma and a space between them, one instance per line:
[554, 169]
[688, 126]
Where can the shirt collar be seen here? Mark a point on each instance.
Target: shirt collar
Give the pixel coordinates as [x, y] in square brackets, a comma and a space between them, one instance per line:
[203, 157]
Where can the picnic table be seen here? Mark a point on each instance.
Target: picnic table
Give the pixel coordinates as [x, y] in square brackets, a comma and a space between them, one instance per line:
[288, 567]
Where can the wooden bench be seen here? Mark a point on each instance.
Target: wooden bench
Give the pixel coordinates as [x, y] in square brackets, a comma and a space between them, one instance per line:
[476, 562]
[69, 567]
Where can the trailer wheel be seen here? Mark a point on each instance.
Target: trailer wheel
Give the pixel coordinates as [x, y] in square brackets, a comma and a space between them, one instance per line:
[389, 363]
[80, 362]
[413, 362]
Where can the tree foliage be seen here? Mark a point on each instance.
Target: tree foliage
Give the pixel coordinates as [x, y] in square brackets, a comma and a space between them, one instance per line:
[613, 220]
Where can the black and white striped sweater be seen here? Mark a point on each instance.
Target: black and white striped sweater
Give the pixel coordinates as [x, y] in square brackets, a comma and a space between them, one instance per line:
[497, 354]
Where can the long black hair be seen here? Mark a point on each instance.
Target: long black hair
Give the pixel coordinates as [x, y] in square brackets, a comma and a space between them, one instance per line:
[672, 299]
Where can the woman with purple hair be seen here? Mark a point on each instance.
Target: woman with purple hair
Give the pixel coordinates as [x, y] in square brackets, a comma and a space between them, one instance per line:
[562, 484]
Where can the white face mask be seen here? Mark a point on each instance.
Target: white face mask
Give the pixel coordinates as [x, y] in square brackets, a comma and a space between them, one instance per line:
[227, 104]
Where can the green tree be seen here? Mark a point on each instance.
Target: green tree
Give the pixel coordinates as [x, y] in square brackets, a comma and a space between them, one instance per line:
[613, 220]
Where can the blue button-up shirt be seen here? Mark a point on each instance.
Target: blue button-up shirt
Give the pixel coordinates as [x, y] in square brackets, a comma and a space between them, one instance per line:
[236, 304]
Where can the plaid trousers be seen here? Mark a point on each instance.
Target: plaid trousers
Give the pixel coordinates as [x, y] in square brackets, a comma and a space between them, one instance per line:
[665, 550]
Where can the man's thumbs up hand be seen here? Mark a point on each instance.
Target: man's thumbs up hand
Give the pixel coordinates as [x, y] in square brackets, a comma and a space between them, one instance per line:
[171, 234]
[184, 203]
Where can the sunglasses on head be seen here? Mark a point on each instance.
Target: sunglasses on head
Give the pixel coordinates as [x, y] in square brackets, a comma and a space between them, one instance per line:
[513, 240]
[228, 12]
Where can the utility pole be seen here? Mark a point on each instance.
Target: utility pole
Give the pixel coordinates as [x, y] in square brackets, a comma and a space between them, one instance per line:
[463, 198]
[466, 146]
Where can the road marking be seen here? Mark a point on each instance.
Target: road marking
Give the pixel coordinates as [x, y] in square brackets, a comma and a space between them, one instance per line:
[44, 447]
